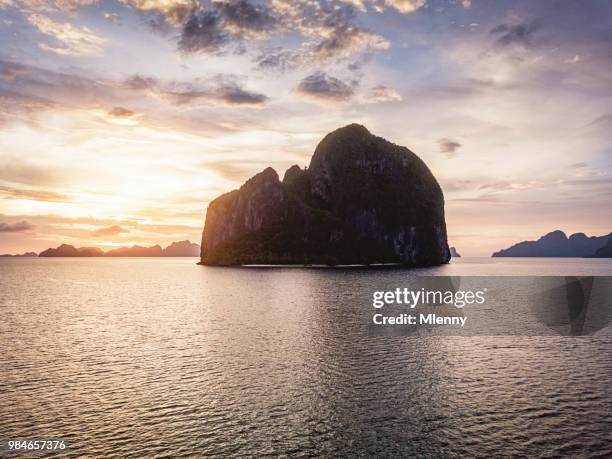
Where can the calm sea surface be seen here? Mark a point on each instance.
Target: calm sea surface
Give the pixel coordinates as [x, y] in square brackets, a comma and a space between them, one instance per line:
[163, 358]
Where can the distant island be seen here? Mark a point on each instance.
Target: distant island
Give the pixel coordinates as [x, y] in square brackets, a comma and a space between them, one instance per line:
[557, 244]
[176, 249]
[454, 253]
[362, 200]
[27, 254]
[605, 251]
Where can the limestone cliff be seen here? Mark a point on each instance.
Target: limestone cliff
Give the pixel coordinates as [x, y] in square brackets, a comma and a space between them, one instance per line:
[362, 200]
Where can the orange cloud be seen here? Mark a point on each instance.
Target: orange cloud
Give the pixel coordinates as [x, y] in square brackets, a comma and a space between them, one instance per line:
[114, 230]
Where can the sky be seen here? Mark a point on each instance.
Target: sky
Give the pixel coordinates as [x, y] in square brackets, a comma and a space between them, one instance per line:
[121, 120]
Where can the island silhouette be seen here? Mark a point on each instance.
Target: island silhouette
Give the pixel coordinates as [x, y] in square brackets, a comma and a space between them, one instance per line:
[557, 244]
[176, 249]
[361, 200]
[605, 251]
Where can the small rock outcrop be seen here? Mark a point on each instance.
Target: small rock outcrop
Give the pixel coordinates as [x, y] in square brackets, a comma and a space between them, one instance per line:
[362, 200]
[454, 253]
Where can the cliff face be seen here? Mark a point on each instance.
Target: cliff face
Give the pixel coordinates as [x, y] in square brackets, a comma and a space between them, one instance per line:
[362, 200]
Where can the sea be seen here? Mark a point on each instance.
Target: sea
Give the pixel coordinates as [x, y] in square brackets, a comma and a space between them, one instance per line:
[160, 358]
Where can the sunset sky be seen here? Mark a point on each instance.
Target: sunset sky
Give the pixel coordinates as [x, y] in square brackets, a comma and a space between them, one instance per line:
[121, 120]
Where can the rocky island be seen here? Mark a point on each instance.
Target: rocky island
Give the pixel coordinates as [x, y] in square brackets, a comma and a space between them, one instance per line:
[557, 244]
[176, 249]
[605, 251]
[362, 200]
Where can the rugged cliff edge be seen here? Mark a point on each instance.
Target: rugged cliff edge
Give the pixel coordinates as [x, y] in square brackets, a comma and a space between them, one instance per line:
[362, 200]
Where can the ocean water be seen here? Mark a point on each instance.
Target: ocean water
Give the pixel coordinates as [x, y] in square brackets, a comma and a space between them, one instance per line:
[163, 358]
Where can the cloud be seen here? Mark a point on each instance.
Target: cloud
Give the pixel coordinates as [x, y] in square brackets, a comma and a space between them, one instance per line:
[279, 59]
[515, 34]
[9, 71]
[323, 87]
[449, 147]
[405, 6]
[358, 4]
[71, 40]
[326, 31]
[121, 112]
[224, 89]
[604, 121]
[65, 6]
[401, 6]
[243, 17]
[504, 185]
[382, 93]
[457, 185]
[139, 82]
[203, 33]
[16, 227]
[111, 17]
[230, 94]
[54, 88]
[344, 41]
[172, 12]
[18, 107]
[333, 34]
[573, 60]
[33, 195]
[233, 170]
[341, 37]
[226, 23]
[114, 230]
[17, 170]
[70, 91]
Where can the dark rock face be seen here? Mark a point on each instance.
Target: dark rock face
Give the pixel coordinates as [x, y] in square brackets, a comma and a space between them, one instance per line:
[362, 200]
[557, 244]
[605, 251]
